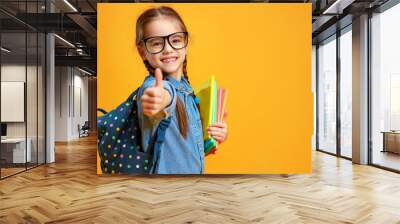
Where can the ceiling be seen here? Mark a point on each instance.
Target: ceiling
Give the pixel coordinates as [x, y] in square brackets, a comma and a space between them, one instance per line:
[72, 20]
[76, 22]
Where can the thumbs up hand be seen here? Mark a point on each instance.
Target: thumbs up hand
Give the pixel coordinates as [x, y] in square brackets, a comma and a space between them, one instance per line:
[159, 78]
[155, 98]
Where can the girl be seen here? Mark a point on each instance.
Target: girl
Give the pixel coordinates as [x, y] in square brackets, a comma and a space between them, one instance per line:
[161, 39]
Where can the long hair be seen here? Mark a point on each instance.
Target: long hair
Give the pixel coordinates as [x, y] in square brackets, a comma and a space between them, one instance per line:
[151, 15]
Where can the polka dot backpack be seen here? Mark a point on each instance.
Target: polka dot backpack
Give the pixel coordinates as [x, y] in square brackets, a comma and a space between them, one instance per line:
[119, 141]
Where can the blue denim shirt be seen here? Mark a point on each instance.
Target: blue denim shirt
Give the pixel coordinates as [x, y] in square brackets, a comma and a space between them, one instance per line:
[177, 155]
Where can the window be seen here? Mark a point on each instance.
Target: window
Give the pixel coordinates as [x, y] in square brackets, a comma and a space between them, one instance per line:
[346, 93]
[385, 88]
[327, 95]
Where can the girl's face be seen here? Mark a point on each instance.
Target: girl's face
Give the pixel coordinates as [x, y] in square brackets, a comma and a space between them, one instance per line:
[168, 60]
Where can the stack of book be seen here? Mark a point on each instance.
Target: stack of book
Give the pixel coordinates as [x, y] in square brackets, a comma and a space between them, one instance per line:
[212, 108]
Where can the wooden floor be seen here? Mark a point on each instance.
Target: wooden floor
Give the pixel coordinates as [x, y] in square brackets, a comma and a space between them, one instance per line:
[5, 172]
[387, 159]
[8, 171]
[69, 191]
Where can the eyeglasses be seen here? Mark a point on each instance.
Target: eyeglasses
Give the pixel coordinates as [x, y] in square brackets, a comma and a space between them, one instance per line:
[155, 45]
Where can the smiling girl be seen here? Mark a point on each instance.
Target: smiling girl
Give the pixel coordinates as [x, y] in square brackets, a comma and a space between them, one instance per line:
[162, 40]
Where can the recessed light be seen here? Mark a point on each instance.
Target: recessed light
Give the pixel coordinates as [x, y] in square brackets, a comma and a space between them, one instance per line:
[71, 6]
[5, 50]
[64, 40]
[337, 7]
[84, 71]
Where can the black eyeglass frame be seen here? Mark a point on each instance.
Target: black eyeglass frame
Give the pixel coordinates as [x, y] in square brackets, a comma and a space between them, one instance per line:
[166, 37]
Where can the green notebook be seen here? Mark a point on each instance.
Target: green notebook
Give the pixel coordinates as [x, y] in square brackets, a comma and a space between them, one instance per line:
[207, 94]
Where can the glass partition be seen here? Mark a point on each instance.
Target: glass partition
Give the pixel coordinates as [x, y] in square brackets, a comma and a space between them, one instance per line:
[385, 89]
[22, 89]
[327, 95]
[346, 93]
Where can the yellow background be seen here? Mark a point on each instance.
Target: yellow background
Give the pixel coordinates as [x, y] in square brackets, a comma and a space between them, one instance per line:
[260, 52]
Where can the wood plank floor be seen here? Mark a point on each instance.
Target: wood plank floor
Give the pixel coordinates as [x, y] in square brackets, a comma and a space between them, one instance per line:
[10, 171]
[69, 191]
[388, 159]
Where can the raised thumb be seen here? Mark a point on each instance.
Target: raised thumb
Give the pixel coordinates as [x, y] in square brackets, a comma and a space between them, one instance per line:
[159, 78]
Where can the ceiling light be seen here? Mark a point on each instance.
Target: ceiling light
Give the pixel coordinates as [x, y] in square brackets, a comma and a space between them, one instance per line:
[337, 7]
[71, 6]
[5, 50]
[64, 40]
[84, 71]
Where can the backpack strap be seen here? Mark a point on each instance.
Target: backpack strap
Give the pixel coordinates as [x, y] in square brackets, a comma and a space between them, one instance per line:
[133, 95]
[157, 140]
[158, 137]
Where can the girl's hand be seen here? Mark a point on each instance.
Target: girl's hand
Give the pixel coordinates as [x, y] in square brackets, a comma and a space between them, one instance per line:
[219, 131]
[155, 98]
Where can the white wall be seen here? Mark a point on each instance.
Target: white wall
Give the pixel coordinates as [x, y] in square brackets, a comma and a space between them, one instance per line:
[314, 90]
[71, 93]
[13, 73]
[61, 103]
[80, 84]
[34, 125]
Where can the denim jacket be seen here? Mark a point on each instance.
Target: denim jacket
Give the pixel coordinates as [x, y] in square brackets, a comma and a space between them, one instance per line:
[177, 155]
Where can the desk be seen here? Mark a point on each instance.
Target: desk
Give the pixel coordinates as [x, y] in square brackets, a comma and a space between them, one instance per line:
[391, 141]
[13, 150]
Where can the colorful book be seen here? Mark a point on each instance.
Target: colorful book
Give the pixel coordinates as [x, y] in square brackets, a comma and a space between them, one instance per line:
[223, 103]
[220, 96]
[206, 98]
[212, 106]
[214, 102]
